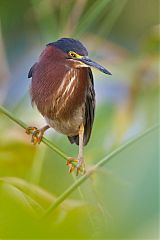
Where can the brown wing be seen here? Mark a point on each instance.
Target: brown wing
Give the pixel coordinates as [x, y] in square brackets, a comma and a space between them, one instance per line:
[89, 112]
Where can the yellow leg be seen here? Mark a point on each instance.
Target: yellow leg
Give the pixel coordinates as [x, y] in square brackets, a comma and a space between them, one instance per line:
[79, 162]
[37, 134]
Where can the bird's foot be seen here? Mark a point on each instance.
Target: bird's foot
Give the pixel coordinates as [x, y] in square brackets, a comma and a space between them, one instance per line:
[71, 163]
[77, 164]
[37, 134]
[80, 166]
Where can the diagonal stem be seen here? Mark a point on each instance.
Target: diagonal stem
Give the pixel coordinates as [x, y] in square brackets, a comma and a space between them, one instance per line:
[103, 161]
[100, 163]
[23, 125]
[44, 140]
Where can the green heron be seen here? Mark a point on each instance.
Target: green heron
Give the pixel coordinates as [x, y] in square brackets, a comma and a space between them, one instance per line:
[63, 90]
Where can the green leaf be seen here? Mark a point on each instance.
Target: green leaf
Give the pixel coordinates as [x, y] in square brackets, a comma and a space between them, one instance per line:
[91, 15]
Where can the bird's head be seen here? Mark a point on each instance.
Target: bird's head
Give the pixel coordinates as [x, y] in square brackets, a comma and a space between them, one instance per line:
[76, 54]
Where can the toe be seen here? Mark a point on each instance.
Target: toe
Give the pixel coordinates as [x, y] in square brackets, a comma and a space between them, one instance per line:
[77, 164]
[71, 163]
[30, 130]
[80, 166]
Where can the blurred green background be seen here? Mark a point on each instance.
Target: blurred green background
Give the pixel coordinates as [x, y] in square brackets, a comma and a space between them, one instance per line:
[120, 200]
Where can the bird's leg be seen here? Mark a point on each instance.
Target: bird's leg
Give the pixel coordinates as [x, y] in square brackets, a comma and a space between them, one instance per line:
[79, 162]
[37, 134]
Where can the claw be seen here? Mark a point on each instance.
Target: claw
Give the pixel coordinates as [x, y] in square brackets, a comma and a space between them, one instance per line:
[80, 166]
[77, 164]
[30, 130]
[37, 134]
[70, 163]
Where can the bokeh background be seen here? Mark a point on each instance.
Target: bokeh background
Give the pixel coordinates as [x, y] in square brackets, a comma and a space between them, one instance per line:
[120, 200]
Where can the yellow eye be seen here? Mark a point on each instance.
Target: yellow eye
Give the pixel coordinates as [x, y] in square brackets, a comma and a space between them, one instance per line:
[72, 54]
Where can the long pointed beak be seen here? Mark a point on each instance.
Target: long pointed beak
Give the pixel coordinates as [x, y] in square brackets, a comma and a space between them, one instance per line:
[91, 63]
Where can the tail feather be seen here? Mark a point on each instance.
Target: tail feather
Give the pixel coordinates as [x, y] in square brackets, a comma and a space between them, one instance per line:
[74, 139]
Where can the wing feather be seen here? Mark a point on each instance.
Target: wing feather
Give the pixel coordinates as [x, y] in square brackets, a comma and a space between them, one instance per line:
[89, 109]
[89, 112]
[30, 74]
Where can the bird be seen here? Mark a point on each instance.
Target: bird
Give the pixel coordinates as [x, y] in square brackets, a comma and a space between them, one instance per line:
[62, 88]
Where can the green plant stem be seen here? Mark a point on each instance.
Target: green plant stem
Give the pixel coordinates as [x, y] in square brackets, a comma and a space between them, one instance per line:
[24, 125]
[103, 161]
[75, 185]
[92, 13]
[112, 17]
